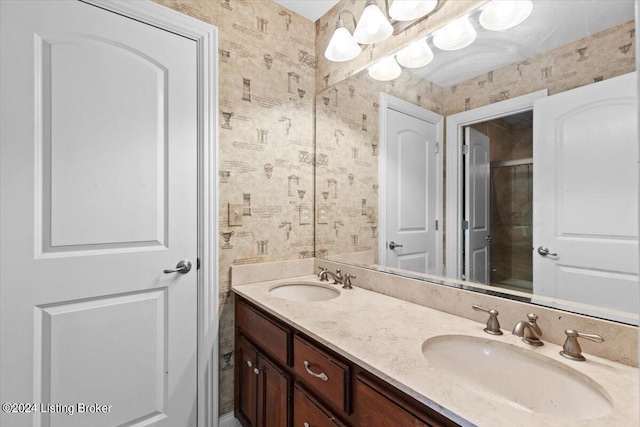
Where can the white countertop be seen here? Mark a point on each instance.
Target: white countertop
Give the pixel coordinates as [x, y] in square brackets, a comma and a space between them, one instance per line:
[385, 335]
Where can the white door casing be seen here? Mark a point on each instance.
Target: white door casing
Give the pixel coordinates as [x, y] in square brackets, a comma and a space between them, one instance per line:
[410, 183]
[99, 195]
[455, 137]
[478, 207]
[585, 190]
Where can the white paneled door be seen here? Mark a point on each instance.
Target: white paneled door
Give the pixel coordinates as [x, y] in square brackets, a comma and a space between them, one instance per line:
[99, 196]
[477, 207]
[585, 218]
[411, 192]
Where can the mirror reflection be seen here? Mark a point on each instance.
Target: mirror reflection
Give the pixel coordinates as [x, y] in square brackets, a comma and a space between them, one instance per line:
[509, 165]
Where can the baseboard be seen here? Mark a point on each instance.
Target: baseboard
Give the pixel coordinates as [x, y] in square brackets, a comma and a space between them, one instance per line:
[228, 420]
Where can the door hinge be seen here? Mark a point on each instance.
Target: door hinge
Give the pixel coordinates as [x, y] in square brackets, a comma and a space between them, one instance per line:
[437, 147]
[436, 225]
[198, 264]
[465, 149]
[465, 224]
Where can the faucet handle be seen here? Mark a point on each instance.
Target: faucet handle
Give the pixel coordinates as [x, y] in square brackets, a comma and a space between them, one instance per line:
[571, 348]
[347, 281]
[493, 325]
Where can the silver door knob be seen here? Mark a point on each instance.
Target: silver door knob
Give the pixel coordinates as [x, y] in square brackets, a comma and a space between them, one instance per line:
[393, 245]
[183, 267]
[544, 251]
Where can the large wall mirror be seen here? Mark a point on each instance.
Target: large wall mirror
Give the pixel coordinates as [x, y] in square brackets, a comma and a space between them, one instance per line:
[509, 166]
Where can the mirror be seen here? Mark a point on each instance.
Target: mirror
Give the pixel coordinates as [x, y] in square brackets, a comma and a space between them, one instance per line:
[487, 93]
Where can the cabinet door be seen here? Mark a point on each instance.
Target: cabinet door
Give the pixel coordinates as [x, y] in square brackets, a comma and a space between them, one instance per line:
[247, 375]
[273, 395]
[377, 407]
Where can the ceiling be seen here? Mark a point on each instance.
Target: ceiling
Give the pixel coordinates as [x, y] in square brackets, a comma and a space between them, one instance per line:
[310, 9]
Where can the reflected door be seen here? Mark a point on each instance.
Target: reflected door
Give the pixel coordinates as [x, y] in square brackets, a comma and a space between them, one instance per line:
[477, 207]
[585, 218]
[98, 168]
[411, 152]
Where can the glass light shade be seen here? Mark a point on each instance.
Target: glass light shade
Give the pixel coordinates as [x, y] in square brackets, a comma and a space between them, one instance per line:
[373, 26]
[408, 10]
[499, 15]
[342, 47]
[416, 55]
[386, 69]
[455, 35]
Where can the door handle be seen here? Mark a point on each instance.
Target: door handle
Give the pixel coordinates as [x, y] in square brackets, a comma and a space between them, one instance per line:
[183, 267]
[544, 251]
[393, 245]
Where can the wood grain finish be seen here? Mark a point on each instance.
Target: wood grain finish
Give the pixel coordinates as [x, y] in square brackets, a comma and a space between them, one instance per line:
[335, 388]
[377, 405]
[274, 339]
[308, 411]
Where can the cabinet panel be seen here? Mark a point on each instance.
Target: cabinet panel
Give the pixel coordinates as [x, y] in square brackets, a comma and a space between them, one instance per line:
[307, 412]
[246, 382]
[273, 396]
[376, 406]
[271, 337]
[326, 375]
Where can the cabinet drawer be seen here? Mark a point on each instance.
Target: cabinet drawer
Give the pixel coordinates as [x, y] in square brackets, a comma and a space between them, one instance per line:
[272, 338]
[324, 374]
[307, 412]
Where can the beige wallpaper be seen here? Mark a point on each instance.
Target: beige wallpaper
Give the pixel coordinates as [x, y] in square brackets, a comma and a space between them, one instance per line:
[266, 142]
[601, 56]
[347, 153]
[329, 73]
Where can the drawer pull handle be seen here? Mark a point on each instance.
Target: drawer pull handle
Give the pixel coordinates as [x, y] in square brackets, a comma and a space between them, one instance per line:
[306, 424]
[321, 375]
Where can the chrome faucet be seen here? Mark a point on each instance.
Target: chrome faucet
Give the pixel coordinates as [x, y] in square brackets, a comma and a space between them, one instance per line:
[337, 277]
[529, 330]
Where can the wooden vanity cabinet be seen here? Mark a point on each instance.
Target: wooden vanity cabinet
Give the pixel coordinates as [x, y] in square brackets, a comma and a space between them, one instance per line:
[286, 379]
[263, 390]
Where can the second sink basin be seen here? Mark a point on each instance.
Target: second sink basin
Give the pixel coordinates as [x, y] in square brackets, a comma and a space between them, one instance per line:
[530, 380]
[302, 291]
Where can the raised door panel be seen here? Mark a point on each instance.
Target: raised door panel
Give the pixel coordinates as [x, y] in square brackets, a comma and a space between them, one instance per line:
[273, 396]
[246, 383]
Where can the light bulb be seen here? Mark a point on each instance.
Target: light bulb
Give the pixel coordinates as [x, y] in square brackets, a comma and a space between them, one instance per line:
[373, 26]
[384, 70]
[342, 47]
[416, 55]
[408, 10]
[499, 15]
[455, 35]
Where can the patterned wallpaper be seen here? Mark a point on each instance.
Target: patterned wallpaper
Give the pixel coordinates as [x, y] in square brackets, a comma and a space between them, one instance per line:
[347, 158]
[266, 142]
[329, 73]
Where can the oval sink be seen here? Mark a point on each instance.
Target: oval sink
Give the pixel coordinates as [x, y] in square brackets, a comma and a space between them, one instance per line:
[528, 379]
[307, 292]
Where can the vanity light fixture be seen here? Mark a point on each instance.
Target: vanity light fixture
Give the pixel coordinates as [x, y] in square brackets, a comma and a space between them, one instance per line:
[373, 26]
[408, 10]
[455, 35]
[386, 69]
[342, 46]
[416, 55]
[500, 15]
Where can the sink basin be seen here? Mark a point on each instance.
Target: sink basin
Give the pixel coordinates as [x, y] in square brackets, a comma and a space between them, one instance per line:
[528, 379]
[307, 292]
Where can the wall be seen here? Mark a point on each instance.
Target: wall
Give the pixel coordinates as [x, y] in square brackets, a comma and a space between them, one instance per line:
[266, 136]
[347, 153]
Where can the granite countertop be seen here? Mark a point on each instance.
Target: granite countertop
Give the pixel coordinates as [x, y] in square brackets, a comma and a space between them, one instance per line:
[385, 335]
